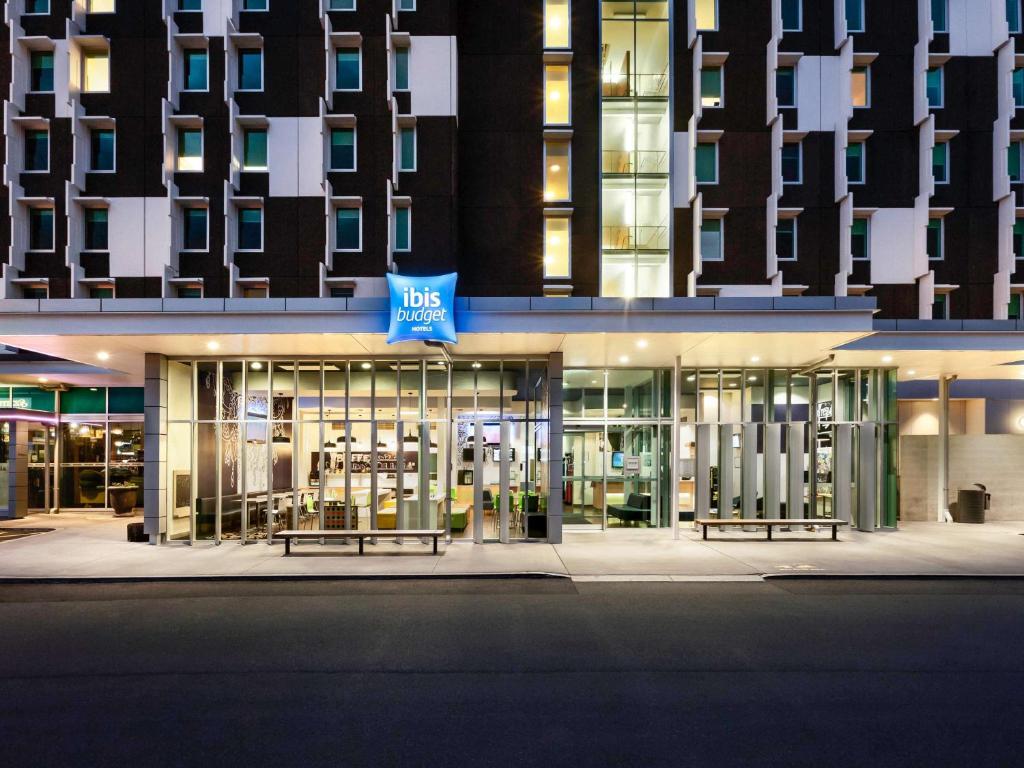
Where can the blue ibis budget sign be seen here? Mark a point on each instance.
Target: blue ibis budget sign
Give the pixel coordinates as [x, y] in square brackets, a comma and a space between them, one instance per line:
[422, 308]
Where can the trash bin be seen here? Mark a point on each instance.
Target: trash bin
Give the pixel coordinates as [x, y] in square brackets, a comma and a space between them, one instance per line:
[971, 504]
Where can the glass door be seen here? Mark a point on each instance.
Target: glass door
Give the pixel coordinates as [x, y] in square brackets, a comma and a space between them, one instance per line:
[583, 487]
[41, 439]
[632, 496]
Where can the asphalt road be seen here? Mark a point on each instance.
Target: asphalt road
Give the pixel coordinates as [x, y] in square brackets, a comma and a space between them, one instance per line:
[513, 673]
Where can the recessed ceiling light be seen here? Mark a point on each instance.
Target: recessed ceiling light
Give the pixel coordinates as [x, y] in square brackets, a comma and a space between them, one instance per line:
[366, 366]
[641, 343]
[624, 359]
[755, 359]
[887, 359]
[103, 355]
[555, 167]
[257, 366]
[691, 378]
[213, 345]
[625, 406]
[911, 373]
[42, 379]
[477, 365]
[751, 378]
[593, 381]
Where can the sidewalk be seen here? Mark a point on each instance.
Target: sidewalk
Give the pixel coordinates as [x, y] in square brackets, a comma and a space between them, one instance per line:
[92, 546]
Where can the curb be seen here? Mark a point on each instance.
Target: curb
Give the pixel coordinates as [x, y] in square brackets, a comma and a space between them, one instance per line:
[523, 576]
[893, 576]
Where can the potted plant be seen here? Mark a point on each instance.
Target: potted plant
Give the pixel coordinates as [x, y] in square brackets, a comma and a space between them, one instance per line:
[123, 498]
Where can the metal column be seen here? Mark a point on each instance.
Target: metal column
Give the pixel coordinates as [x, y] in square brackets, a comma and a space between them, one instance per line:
[676, 452]
[842, 461]
[942, 501]
[795, 486]
[702, 471]
[725, 467]
[772, 469]
[478, 482]
[867, 479]
[504, 485]
[748, 473]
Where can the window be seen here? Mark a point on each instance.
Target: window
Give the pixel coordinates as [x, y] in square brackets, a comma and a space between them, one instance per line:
[250, 69]
[860, 87]
[403, 228]
[854, 15]
[940, 15]
[707, 163]
[40, 229]
[190, 5]
[556, 94]
[1018, 239]
[556, 170]
[341, 291]
[1013, 15]
[190, 149]
[37, 150]
[35, 292]
[785, 240]
[935, 239]
[1018, 87]
[401, 69]
[407, 148]
[37, 6]
[195, 232]
[343, 149]
[940, 307]
[707, 14]
[785, 86]
[192, 291]
[347, 229]
[1014, 308]
[347, 69]
[101, 292]
[940, 162]
[254, 5]
[407, 5]
[792, 163]
[934, 89]
[254, 150]
[792, 13]
[96, 229]
[556, 23]
[250, 229]
[96, 72]
[711, 87]
[42, 72]
[711, 240]
[102, 155]
[556, 247]
[1013, 164]
[196, 70]
[855, 171]
[342, 5]
[101, 6]
[860, 239]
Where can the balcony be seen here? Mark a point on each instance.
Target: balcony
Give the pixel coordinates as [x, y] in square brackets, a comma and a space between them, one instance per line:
[624, 85]
[619, 162]
[644, 238]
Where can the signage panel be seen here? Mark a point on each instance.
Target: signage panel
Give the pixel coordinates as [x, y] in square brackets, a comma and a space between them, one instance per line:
[422, 308]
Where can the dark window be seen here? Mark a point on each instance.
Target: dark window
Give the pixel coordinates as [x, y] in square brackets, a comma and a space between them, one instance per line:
[40, 229]
[935, 239]
[791, 13]
[37, 6]
[1018, 239]
[1014, 307]
[407, 5]
[37, 150]
[342, 291]
[254, 5]
[707, 163]
[255, 150]
[101, 292]
[190, 292]
[346, 69]
[785, 239]
[402, 69]
[940, 15]
[96, 227]
[711, 87]
[791, 171]
[42, 71]
[250, 229]
[190, 5]
[103, 150]
[854, 15]
[250, 70]
[195, 229]
[940, 163]
[785, 86]
[934, 87]
[855, 163]
[403, 234]
[940, 307]
[347, 229]
[407, 159]
[196, 70]
[860, 247]
[343, 5]
[35, 292]
[343, 149]
[1013, 15]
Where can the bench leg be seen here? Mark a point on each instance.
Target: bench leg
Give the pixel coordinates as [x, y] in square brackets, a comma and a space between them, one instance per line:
[288, 545]
[435, 545]
[705, 532]
[361, 540]
[835, 532]
[769, 532]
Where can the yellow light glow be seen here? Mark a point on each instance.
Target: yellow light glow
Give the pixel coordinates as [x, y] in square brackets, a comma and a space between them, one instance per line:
[554, 95]
[96, 72]
[187, 163]
[555, 167]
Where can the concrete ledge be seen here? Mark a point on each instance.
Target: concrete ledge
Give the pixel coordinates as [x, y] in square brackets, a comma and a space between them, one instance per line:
[501, 304]
[134, 305]
[856, 302]
[805, 303]
[194, 305]
[316, 305]
[743, 303]
[684, 304]
[20, 305]
[929, 325]
[557, 303]
[254, 305]
[368, 304]
[69, 305]
[989, 325]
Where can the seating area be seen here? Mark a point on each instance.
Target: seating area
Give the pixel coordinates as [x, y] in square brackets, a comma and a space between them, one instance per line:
[636, 510]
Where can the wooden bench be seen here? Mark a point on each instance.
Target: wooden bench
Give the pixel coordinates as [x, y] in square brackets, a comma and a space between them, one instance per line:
[360, 535]
[705, 522]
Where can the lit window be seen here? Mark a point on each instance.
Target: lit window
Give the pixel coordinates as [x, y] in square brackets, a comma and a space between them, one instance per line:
[1018, 239]
[936, 236]
[860, 239]
[347, 69]
[556, 170]
[711, 240]
[347, 229]
[195, 229]
[40, 229]
[940, 163]
[855, 171]
[785, 86]
[792, 163]
[860, 86]
[407, 148]
[940, 15]
[934, 89]
[196, 71]
[1018, 88]
[711, 87]
[250, 69]
[101, 6]
[792, 13]
[785, 240]
[254, 154]
[1013, 164]
[401, 69]
[96, 220]
[42, 72]
[556, 94]
[190, 5]
[190, 149]
[254, 5]
[854, 15]
[37, 6]
[342, 5]
[556, 247]
[556, 23]
[96, 70]
[343, 149]
[707, 163]
[102, 154]
[403, 228]
[1013, 15]
[707, 14]
[37, 150]
[250, 229]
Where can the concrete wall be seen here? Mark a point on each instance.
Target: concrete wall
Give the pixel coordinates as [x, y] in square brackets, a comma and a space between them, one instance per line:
[993, 460]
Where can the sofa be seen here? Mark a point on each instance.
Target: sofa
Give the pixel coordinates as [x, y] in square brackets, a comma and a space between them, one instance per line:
[636, 509]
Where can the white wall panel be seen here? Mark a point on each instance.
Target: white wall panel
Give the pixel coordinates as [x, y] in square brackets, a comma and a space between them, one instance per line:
[139, 236]
[973, 30]
[680, 169]
[433, 94]
[295, 156]
[892, 246]
[819, 106]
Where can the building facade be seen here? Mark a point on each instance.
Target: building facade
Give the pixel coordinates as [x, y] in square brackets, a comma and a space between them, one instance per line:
[700, 247]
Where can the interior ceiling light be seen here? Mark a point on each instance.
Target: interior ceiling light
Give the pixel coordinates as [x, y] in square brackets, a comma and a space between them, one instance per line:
[103, 355]
[213, 346]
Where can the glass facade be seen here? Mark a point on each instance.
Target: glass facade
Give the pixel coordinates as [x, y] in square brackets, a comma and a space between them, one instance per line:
[258, 446]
